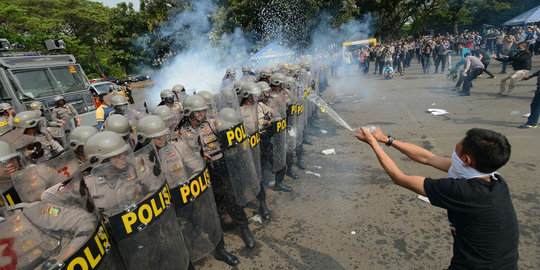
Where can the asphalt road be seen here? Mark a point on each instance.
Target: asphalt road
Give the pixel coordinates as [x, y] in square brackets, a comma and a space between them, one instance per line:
[353, 216]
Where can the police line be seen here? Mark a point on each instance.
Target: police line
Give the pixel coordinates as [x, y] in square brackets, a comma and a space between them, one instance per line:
[131, 221]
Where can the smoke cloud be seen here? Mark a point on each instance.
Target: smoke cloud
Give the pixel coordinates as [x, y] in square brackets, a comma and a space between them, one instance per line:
[203, 57]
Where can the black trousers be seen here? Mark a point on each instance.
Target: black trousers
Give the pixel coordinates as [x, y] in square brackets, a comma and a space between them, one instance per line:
[471, 75]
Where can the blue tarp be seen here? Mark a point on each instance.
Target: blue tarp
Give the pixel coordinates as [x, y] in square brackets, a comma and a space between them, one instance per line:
[530, 16]
[272, 50]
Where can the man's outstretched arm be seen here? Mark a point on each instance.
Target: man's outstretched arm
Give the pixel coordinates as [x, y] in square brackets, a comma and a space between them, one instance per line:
[412, 182]
[415, 152]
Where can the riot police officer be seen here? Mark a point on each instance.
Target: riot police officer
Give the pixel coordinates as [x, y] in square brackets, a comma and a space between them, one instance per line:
[200, 134]
[265, 75]
[44, 146]
[53, 128]
[10, 163]
[197, 214]
[129, 189]
[65, 112]
[253, 120]
[247, 75]
[171, 119]
[77, 139]
[277, 101]
[120, 125]
[179, 92]
[168, 98]
[121, 106]
[6, 113]
[229, 78]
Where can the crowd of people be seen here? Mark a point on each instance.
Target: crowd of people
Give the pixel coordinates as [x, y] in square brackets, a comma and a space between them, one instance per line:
[147, 190]
[466, 57]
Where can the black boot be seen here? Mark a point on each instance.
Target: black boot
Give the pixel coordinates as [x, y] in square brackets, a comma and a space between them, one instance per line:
[299, 157]
[247, 237]
[289, 161]
[290, 173]
[279, 186]
[263, 210]
[222, 255]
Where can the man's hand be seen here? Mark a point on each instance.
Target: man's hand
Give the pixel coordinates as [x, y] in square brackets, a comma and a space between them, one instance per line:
[363, 135]
[526, 78]
[207, 156]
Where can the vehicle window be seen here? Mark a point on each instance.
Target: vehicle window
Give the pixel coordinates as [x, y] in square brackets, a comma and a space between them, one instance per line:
[103, 88]
[35, 83]
[3, 93]
[69, 78]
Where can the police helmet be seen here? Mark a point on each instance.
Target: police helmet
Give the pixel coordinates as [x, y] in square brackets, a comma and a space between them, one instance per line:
[194, 103]
[5, 106]
[237, 85]
[5, 127]
[278, 79]
[103, 145]
[228, 93]
[178, 88]
[265, 73]
[7, 152]
[290, 83]
[167, 93]
[118, 100]
[245, 69]
[58, 98]
[250, 88]
[164, 112]
[151, 126]
[229, 115]
[264, 86]
[80, 134]
[26, 119]
[230, 71]
[37, 105]
[207, 97]
[118, 124]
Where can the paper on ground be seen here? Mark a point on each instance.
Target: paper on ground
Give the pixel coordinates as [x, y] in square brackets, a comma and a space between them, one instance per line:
[424, 198]
[257, 218]
[437, 111]
[330, 151]
[316, 174]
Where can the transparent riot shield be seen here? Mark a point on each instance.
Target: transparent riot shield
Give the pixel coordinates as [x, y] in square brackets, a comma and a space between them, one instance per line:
[300, 121]
[8, 191]
[237, 152]
[250, 114]
[33, 180]
[220, 101]
[292, 127]
[192, 199]
[23, 243]
[141, 221]
[279, 139]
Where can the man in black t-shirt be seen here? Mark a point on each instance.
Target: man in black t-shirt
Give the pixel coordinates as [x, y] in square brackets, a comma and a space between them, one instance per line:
[482, 218]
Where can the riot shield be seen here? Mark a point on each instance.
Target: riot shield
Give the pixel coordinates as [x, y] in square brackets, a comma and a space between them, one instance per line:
[292, 126]
[192, 199]
[279, 139]
[142, 223]
[237, 152]
[8, 191]
[220, 101]
[300, 117]
[33, 180]
[250, 114]
[23, 244]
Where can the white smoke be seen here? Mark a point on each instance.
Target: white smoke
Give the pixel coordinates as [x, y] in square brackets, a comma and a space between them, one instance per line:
[201, 64]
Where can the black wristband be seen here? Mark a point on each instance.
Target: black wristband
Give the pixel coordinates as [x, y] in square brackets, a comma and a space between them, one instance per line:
[390, 141]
